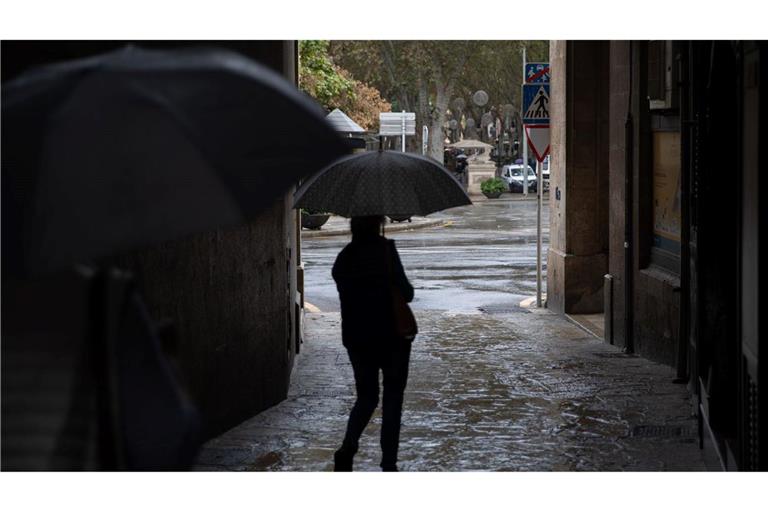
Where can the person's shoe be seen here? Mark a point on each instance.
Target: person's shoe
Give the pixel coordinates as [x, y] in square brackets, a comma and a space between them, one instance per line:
[342, 461]
[389, 467]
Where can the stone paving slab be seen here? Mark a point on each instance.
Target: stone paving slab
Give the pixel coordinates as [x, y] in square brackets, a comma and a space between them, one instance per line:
[503, 392]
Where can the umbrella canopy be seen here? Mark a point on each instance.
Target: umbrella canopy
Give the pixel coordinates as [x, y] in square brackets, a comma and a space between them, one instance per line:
[136, 147]
[382, 183]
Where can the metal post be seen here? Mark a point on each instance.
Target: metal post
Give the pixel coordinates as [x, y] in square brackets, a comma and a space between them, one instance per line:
[525, 136]
[525, 163]
[424, 139]
[538, 231]
[402, 137]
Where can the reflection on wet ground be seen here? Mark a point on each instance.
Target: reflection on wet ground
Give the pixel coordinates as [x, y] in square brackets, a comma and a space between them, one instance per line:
[517, 391]
[492, 386]
[485, 256]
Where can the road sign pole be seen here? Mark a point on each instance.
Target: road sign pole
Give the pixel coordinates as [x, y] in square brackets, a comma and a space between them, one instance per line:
[539, 186]
[525, 163]
[402, 137]
[525, 141]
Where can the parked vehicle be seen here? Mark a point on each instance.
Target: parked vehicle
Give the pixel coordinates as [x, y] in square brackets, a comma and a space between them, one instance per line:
[513, 175]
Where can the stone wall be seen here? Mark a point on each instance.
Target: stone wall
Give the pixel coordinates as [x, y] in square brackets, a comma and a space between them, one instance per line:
[618, 106]
[479, 169]
[655, 301]
[578, 250]
[228, 294]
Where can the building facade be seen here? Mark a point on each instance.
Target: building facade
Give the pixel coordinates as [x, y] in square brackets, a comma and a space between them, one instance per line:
[655, 217]
[232, 295]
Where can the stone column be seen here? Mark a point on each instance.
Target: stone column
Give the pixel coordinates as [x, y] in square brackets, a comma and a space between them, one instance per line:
[578, 252]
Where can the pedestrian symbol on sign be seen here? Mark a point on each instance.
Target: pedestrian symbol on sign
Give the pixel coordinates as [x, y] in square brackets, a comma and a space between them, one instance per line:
[539, 107]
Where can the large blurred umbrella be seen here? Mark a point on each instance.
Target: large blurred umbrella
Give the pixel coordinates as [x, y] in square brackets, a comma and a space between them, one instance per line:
[382, 183]
[135, 147]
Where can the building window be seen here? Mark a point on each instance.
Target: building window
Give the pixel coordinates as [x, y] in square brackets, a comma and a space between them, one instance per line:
[665, 246]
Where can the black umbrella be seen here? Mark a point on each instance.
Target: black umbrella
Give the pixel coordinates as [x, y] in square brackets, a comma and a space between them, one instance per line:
[135, 147]
[382, 183]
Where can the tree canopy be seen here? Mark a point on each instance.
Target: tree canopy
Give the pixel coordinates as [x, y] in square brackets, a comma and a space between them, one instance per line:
[364, 78]
[335, 87]
[426, 76]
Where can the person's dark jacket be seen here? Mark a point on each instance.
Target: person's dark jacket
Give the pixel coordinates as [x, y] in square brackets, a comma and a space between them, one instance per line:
[362, 276]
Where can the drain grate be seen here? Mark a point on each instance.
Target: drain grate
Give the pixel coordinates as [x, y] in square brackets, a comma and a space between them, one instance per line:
[662, 431]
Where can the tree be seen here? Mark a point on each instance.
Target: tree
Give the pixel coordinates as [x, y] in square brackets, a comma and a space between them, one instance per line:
[364, 104]
[318, 76]
[424, 76]
[334, 87]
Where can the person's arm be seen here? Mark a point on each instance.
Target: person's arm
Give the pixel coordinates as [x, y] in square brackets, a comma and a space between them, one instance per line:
[401, 281]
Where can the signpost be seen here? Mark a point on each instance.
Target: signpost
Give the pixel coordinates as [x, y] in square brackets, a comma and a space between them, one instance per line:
[535, 104]
[397, 124]
[525, 140]
[536, 72]
[535, 115]
[538, 139]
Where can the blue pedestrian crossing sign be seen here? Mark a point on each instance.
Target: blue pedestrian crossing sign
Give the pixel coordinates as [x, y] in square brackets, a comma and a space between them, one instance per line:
[537, 73]
[535, 103]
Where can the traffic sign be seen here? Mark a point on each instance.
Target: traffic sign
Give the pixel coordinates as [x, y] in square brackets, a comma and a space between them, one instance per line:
[537, 73]
[397, 123]
[538, 140]
[535, 103]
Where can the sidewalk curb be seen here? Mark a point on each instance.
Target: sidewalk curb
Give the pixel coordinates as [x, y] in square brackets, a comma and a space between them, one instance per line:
[389, 228]
[508, 196]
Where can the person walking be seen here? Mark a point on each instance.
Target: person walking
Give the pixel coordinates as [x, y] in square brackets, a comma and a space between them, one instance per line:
[365, 272]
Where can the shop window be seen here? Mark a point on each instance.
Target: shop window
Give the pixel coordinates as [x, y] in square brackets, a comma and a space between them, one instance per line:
[666, 208]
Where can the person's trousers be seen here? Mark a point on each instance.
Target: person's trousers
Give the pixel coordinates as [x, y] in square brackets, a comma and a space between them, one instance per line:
[393, 362]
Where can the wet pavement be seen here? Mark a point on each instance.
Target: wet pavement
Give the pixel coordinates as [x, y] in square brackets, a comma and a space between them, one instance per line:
[485, 257]
[492, 386]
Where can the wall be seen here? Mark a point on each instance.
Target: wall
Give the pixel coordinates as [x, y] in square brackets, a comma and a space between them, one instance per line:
[656, 290]
[231, 293]
[578, 253]
[618, 107]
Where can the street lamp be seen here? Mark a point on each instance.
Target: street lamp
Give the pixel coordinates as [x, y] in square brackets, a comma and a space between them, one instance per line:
[480, 99]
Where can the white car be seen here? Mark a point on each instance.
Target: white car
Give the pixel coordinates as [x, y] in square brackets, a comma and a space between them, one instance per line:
[513, 175]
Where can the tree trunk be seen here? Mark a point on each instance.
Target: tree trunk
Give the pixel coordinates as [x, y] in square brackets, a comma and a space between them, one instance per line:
[442, 97]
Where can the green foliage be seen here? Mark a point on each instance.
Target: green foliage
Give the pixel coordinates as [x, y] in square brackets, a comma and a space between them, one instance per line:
[492, 185]
[425, 76]
[497, 68]
[396, 67]
[318, 76]
[334, 87]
